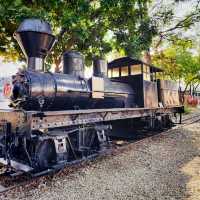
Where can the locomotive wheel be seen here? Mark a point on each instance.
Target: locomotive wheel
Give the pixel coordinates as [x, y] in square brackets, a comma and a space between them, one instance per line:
[46, 154]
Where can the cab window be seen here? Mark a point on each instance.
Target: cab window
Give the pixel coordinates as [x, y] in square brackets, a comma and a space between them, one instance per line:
[147, 77]
[136, 69]
[124, 71]
[153, 76]
[146, 72]
[115, 72]
[109, 73]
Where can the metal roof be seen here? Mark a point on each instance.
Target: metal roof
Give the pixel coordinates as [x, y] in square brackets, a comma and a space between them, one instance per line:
[125, 61]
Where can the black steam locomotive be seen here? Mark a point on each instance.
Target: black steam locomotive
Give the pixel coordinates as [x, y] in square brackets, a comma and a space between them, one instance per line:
[60, 117]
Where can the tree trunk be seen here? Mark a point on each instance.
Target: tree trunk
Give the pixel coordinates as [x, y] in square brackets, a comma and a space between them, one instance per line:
[147, 57]
[57, 64]
[66, 47]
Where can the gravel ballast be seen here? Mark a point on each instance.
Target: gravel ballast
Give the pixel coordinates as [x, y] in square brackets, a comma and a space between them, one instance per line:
[166, 166]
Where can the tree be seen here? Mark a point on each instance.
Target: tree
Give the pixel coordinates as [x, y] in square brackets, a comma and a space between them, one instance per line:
[178, 61]
[93, 27]
[168, 24]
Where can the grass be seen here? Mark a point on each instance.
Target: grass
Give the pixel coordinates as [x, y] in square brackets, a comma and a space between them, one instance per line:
[188, 109]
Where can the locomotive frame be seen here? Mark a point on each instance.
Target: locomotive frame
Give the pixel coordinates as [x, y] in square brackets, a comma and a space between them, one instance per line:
[54, 119]
[100, 120]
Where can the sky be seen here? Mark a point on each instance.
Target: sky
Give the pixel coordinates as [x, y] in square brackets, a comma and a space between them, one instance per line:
[8, 69]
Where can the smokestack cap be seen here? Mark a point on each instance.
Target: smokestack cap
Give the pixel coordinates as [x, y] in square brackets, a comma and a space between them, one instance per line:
[35, 25]
[35, 38]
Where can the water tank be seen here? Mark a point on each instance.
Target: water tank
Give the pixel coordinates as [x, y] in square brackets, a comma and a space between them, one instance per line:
[73, 63]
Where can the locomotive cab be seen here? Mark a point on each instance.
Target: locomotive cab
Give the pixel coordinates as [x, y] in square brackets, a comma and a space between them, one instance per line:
[150, 87]
[141, 76]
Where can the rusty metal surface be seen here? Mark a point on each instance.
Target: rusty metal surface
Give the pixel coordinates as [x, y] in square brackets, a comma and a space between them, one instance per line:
[97, 87]
[16, 118]
[169, 93]
[168, 84]
[150, 94]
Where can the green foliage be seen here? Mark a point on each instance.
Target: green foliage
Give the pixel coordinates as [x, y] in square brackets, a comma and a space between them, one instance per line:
[187, 110]
[91, 27]
[171, 22]
[178, 61]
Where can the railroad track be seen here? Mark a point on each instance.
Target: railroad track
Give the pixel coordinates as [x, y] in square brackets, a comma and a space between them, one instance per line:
[189, 120]
[145, 134]
[191, 117]
[151, 134]
[8, 183]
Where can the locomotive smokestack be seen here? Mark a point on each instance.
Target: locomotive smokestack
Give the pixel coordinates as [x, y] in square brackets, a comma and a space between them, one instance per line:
[35, 39]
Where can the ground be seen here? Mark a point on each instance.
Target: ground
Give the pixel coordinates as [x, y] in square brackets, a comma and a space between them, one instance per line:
[166, 166]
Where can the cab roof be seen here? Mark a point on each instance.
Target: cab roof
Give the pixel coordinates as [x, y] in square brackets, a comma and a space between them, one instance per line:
[126, 61]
